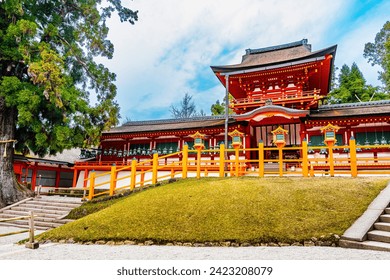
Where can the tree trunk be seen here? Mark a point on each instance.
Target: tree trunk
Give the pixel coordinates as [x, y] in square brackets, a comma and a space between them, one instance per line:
[10, 190]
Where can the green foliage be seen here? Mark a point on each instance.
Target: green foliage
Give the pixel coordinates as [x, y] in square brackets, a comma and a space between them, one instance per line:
[228, 209]
[218, 108]
[378, 53]
[48, 71]
[352, 87]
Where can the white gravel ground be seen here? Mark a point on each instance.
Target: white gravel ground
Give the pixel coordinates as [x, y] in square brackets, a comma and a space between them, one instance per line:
[9, 250]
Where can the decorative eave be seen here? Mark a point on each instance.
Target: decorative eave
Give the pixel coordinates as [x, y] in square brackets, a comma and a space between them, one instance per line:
[236, 133]
[330, 127]
[271, 111]
[169, 128]
[197, 134]
[279, 130]
[42, 161]
[158, 126]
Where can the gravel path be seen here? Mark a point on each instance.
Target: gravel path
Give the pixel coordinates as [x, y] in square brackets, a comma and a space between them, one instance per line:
[56, 251]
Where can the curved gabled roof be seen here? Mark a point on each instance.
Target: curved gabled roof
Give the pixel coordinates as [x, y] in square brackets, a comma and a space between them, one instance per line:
[276, 55]
[272, 110]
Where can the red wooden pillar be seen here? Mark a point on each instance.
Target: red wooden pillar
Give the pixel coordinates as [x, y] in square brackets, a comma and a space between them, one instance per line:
[349, 134]
[34, 176]
[75, 174]
[58, 177]
[303, 132]
[247, 139]
[180, 144]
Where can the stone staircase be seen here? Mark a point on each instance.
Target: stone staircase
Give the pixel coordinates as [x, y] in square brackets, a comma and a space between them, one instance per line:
[379, 237]
[372, 230]
[49, 211]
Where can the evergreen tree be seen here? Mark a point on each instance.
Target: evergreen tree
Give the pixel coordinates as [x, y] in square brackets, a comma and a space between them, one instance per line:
[47, 67]
[351, 87]
[218, 108]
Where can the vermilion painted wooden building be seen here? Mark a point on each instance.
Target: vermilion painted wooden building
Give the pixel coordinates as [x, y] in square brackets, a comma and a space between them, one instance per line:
[49, 174]
[283, 85]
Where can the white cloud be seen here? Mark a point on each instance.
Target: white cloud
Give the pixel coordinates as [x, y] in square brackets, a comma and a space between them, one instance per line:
[169, 50]
[363, 30]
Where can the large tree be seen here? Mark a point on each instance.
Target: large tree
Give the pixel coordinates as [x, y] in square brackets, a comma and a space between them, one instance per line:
[378, 53]
[47, 73]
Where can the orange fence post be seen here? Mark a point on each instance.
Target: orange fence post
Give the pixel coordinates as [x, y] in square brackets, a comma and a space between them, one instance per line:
[184, 163]
[261, 159]
[155, 166]
[353, 157]
[172, 172]
[280, 162]
[237, 162]
[331, 161]
[198, 156]
[91, 193]
[142, 177]
[133, 174]
[305, 162]
[222, 160]
[113, 179]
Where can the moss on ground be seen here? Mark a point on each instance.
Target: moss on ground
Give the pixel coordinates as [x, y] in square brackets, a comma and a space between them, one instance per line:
[245, 209]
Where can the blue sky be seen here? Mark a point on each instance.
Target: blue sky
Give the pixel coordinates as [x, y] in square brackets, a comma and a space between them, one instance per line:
[168, 52]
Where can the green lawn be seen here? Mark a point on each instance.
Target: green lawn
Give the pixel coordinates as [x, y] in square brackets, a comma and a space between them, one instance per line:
[244, 209]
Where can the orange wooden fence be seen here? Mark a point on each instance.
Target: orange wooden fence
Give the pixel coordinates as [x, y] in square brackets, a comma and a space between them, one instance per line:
[305, 161]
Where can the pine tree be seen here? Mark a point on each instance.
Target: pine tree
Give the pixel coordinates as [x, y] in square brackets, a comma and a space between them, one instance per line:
[186, 109]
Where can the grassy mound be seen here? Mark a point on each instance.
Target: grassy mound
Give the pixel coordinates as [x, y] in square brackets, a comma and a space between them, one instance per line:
[229, 209]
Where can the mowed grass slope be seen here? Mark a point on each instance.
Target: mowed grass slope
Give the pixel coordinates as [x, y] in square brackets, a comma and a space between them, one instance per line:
[230, 209]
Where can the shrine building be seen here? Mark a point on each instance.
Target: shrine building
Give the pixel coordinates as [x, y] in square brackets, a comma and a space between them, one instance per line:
[280, 86]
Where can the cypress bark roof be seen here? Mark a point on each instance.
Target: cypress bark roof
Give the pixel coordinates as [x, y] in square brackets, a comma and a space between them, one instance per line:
[269, 56]
[352, 109]
[325, 111]
[169, 124]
